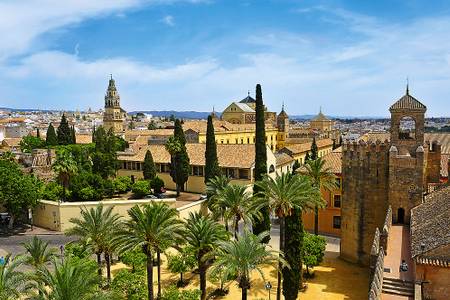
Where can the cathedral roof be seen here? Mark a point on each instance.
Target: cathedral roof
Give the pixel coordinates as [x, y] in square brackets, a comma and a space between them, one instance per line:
[408, 102]
[248, 99]
[320, 117]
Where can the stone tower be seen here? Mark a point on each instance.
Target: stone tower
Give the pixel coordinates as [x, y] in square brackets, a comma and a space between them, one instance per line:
[283, 128]
[114, 116]
[380, 174]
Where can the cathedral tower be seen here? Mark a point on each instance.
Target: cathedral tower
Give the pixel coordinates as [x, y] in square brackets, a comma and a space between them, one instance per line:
[114, 116]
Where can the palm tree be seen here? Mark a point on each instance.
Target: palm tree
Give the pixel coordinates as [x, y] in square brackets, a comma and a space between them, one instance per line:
[238, 205]
[152, 228]
[96, 228]
[71, 279]
[65, 167]
[38, 253]
[13, 283]
[214, 186]
[322, 178]
[242, 256]
[282, 195]
[203, 234]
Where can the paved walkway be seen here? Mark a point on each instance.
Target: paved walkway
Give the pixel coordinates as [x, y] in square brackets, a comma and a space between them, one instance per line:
[398, 249]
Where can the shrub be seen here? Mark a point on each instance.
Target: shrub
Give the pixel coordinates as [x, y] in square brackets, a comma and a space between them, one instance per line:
[157, 184]
[87, 186]
[140, 188]
[122, 184]
[172, 293]
[132, 286]
[77, 249]
[135, 259]
[108, 188]
[181, 263]
[87, 194]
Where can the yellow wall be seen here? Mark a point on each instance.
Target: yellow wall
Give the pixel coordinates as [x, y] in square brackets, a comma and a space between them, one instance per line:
[55, 216]
[243, 137]
[325, 215]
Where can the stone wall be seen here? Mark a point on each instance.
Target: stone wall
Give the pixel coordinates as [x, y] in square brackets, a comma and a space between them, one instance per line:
[376, 283]
[364, 197]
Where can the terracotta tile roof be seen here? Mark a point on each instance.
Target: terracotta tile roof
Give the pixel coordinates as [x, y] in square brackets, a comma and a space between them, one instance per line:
[304, 147]
[333, 161]
[408, 102]
[430, 223]
[229, 155]
[12, 142]
[12, 120]
[132, 134]
[83, 138]
[283, 158]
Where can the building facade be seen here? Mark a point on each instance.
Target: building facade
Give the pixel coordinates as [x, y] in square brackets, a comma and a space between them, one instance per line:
[114, 117]
[380, 174]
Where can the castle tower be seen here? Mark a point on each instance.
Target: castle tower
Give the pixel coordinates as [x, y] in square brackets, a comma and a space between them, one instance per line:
[407, 157]
[114, 116]
[380, 174]
[283, 128]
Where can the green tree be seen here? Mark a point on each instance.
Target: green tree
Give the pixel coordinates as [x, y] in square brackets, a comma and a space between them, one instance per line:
[71, 279]
[203, 235]
[38, 253]
[51, 139]
[151, 125]
[18, 191]
[293, 247]
[96, 227]
[307, 157]
[52, 191]
[322, 178]
[73, 139]
[122, 184]
[152, 229]
[64, 133]
[313, 250]
[149, 169]
[172, 293]
[238, 205]
[260, 170]
[65, 167]
[213, 189]
[181, 263]
[212, 168]
[38, 133]
[314, 150]
[140, 189]
[136, 259]
[283, 194]
[14, 283]
[157, 184]
[179, 159]
[29, 143]
[130, 285]
[104, 158]
[241, 256]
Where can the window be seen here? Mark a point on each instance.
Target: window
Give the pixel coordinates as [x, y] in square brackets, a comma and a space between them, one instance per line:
[337, 201]
[221, 141]
[271, 169]
[165, 168]
[197, 170]
[407, 129]
[242, 141]
[230, 173]
[237, 141]
[338, 183]
[243, 174]
[248, 140]
[337, 222]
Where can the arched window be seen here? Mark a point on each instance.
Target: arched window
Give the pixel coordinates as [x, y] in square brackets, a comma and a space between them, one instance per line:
[407, 129]
[271, 169]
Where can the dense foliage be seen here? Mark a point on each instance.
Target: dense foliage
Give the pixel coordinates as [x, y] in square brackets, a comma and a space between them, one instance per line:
[313, 250]
[149, 168]
[212, 168]
[29, 143]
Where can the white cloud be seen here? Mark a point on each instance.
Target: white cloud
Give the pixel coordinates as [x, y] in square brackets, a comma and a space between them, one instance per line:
[168, 20]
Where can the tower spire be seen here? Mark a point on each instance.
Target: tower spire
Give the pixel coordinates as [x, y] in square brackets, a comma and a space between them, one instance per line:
[282, 106]
[407, 86]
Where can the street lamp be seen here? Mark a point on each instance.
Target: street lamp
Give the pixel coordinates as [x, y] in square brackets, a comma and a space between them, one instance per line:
[268, 286]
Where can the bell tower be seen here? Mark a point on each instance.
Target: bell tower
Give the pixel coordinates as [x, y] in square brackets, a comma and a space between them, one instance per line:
[114, 116]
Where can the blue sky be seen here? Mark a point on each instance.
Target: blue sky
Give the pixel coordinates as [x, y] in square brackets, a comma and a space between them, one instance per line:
[350, 57]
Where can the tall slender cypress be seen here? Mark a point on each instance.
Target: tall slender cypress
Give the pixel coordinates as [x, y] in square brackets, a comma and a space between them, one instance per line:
[180, 168]
[51, 139]
[73, 135]
[314, 150]
[38, 133]
[212, 168]
[64, 132]
[260, 160]
[292, 277]
[149, 169]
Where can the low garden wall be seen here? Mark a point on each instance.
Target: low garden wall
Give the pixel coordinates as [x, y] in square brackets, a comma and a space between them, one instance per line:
[56, 215]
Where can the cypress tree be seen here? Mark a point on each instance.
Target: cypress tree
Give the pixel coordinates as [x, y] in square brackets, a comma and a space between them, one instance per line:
[180, 167]
[292, 277]
[64, 132]
[262, 225]
[307, 157]
[51, 139]
[93, 134]
[38, 133]
[212, 168]
[73, 135]
[340, 140]
[334, 144]
[314, 150]
[149, 169]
